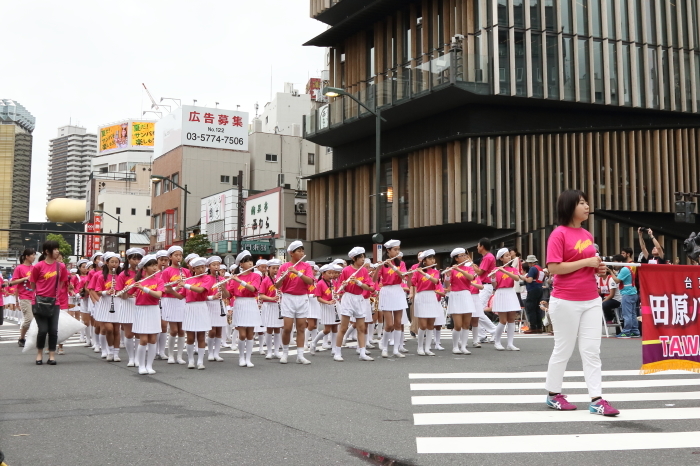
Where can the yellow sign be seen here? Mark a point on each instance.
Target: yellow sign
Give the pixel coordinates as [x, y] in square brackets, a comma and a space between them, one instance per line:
[114, 137]
[142, 133]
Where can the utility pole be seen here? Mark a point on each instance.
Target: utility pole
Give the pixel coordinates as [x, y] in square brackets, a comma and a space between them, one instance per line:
[241, 213]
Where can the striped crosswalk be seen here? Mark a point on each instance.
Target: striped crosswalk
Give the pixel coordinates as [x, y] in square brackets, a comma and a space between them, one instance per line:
[510, 392]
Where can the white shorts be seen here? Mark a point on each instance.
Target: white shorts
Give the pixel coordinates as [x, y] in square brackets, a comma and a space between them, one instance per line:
[295, 306]
[353, 305]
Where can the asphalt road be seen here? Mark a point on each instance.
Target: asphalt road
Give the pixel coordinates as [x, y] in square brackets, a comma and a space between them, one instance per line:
[85, 411]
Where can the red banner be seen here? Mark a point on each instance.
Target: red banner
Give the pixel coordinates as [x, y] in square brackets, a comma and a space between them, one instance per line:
[670, 302]
[89, 250]
[96, 240]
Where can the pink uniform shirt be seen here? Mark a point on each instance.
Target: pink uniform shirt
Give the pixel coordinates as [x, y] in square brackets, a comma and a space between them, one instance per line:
[323, 291]
[362, 276]
[23, 291]
[459, 281]
[267, 288]
[172, 274]
[387, 276]
[503, 280]
[292, 284]
[206, 282]
[239, 290]
[488, 263]
[422, 283]
[568, 244]
[145, 299]
[44, 275]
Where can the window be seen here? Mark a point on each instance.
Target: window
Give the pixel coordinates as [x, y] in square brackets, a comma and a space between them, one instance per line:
[175, 178]
[156, 189]
[311, 158]
[148, 212]
[270, 157]
[122, 167]
[156, 222]
[165, 185]
[133, 211]
[235, 181]
[113, 168]
[225, 179]
[119, 210]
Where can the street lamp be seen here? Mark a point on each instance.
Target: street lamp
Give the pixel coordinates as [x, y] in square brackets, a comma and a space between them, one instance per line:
[335, 92]
[184, 209]
[117, 218]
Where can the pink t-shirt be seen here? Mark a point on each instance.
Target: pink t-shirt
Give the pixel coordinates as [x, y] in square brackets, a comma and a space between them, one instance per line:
[212, 290]
[145, 299]
[239, 291]
[387, 276]
[93, 276]
[323, 291]
[312, 287]
[23, 289]
[439, 289]
[422, 283]
[503, 280]
[476, 281]
[82, 283]
[206, 282]
[361, 276]
[568, 244]
[172, 274]
[63, 295]
[123, 281]
[458, 279]
[44, 276]
[4, 292]
[488, 263]
[267, 288]
[292, 284]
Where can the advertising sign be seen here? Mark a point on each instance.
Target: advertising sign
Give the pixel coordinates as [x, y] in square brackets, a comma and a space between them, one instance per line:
[126, 135]
[215, 208]
[262, 213]
[143, 133]
[313, 87]
[89, 250]
[97, 228]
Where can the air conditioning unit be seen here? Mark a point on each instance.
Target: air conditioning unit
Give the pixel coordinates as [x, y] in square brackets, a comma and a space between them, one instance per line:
[300, 208]
[280, 179]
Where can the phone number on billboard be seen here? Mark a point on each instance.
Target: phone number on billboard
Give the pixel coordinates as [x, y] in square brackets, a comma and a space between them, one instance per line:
[214, 138]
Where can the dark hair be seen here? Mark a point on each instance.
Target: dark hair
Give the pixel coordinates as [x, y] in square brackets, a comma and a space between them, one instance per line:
[105, 269]
[246, 259]
[86, 270]
[127, 265]
[517, 254]
[396, 260]
[618, 258]
[25, 253]
[422, 263]
[50, 246]
[566, 205]
[628, 251]
[354, 259]
[485, 243]
[139, 274]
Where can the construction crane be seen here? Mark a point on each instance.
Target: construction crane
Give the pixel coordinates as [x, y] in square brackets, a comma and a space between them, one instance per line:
[153, 102]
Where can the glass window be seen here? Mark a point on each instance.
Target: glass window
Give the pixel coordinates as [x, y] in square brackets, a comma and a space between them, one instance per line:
[612, 52]
[225, 179]
[624, 20]
[535, 15]
[694, 23]
[677, 79]
[664, 30]
[653, 67]
[641, 77]
[688, 90]
[550, 15]
[518, 13]
[270, 157]
[599, 89]
[502, 13]
[478, 24]
[567, 26]
[520, 65]
[697, 76]
[597, 26]
[503, 62]
[122, 167]
[440, 25]
[650, 7]
[156, 220]
[638, 23]
[626, 75]
[536, 54]
[370, 55]
[118, 210]
[683, 16]
[175, 178]
[403, 192]
[582, 17]
[569, 91]
[156, 189]
[407, 37]
[674, 23]
[611, 18]
[666, 69]
[311, 158]
[133, 211]
[584, 75]
[552, 67]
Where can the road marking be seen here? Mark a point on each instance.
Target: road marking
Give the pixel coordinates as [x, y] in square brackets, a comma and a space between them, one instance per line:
[532, 375]
[565, 385]
[539, 399]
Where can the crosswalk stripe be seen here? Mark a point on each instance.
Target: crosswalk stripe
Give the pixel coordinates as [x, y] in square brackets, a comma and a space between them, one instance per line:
[531, 375]
[539, 399]
[540, 386]
[559, 443]
[519, 417]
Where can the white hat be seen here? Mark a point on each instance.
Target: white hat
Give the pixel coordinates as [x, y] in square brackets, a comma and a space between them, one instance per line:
[146, 259]
[426, 253]
[108, 255]
[132, 251]
[242, 255]
[198, 261]
[392, 243]
[336, 268]
[81, 262]
[294, 246]
[531, 258]
[316, 269]
[95, 255]
[173, 249]
[73, 270]
[213, 259]
[233, 267]
[274, 263]
[190, 257]
[457, 252]
[226, 274]
[339, 261]
[89, 264]
[356, 251]
[500, 253]
[261, 262]
[162, 253]
[311, 263]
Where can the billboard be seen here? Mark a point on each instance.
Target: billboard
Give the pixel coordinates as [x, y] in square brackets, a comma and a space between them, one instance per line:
[214, 128]
[262, 213]
[126, 135]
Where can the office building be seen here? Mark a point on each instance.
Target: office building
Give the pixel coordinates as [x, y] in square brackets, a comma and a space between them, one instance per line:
[70, 157]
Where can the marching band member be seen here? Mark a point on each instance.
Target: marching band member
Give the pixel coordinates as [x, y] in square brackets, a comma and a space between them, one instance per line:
[216, 309]
[483, 270]
[353, 280]
[83, 270]
[25, 294]
[147, 312]
[128, 305]
[314, 309]
[475, 289]
[246, 315]
[329, 312]
[102, 296]
[163, 262]
[369, 316]
[505, 304]
[293, 279]
[96, 260]
[392, 297]
[260, 332]
[196, 321]
[441, 319]
[173, 303]
[426, 306]
[461, 304]
[270, 312]
[64, 292]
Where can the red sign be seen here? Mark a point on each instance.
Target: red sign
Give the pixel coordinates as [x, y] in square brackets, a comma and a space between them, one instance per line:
[89, 250]
[98, 229]
[670, 301]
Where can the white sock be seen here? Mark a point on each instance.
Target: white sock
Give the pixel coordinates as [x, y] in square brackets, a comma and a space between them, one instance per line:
[162, 338]
[278, 342]
[327, 339]
[241, 348]
[236, 337]
[181, 342]
[141, 355]
[402, 337]
[362, 352]
[437, 337]
[268, 342]
[347, 334]
[121, 336]
[421, 337]
[88, 334]
[248, 350]
[285, 350]
[319, 336]
[385, 341]
[334, 347]
[210, 346]
[370, 333]
[379, 328]
[103, 343]
[217, 346]
[475, 334]
[428, 339]
[150, 356]
[464, 337]
[130, 348]
[313, 335]
[510, 331]
[172, 341]
[455, 338]
[499, 332]
[397, 340]
[190, 353]
[200, 356]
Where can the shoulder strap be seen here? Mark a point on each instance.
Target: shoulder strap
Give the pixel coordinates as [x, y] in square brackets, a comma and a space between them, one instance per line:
[58, 277]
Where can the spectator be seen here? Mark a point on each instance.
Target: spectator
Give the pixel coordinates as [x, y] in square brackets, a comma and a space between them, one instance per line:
[533, 284]
[627, 255]
[628, 291]
[657, 252]
[610, 292]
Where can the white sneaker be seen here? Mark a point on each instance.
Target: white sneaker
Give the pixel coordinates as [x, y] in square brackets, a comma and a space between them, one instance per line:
[110, 357]
[421, 352]
[338, 358]
[143, 371]
[439, 348]
[210, 357]
[312, 350]
[512, 348]
[60, 351]
[190, 365]
[269, 356]
[162, 356]
[429, 353]
[151, 371]
[241, 362]
[321, 349]
[403, 350]
[399, 355]
[456, 350]
[200, 367]
[96, 349]
[250, 364]
[302, 360]
[116, 358]
[283, 359]
[499, 347]
[181, 361]
[466, 351]
[326, 347]
[171, 360]
[225, 345]
[385, 353]
[366, 358]
[476, 345]
[277, 355]
[218, 359]
[370, 346]
[130, 364]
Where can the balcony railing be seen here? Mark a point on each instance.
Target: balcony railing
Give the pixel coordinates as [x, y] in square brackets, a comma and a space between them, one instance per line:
[427, 74]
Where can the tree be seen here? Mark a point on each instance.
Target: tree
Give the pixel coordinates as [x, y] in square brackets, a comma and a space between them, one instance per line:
[198, 244]
[63, 246]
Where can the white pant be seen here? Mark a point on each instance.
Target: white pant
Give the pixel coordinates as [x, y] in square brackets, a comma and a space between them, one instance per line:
[572, 319]
[485, 324]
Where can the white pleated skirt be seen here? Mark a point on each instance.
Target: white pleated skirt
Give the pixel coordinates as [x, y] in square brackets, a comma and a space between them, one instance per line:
[441, 319]
[84, 306]
[113, 317]
[246, 313]
[126, 310]
[506, 301]
[196, 317]
[270, 315]
[100, 309]
[328, 315]
[314, 307]
[392, 298]
[368, 311]
[91, 307]
[426, 305]
[146, 320]
[460, 302]
[173, 309]
[11, 300]
[478, 310]
[215, 317]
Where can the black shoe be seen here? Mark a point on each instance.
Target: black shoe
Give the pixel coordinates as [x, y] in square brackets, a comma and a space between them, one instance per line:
[51, 362]
[413, 334]
[39, 362]
[21, 342]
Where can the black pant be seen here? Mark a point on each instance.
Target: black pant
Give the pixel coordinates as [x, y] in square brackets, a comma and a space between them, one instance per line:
[532, 309]
[47, 325]
[609, 307]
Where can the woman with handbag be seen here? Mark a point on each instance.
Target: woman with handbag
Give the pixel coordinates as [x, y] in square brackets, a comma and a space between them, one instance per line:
[46, 278]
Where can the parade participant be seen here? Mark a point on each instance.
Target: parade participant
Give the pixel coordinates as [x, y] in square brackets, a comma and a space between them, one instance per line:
[505, 304]
[314, 309]
[261, 267]
[329, 312]
[461, 305]
[102, 292]
[196, 320]
[173, 303]
[146, 325]
[25, 294]
[246, 315]
[392, 297]
[441, 319]
[128, 302]
[96, 271]
[81, 295]
[74, 298]
[163, 262]
[483, 270]
[64, 293]
[575, 307]
[46, 278]
[217, 314]
[293, 280]
[426, 306]
[270, 311]
[367, 295]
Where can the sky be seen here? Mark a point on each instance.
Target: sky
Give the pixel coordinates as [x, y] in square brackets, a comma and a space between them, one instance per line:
[83, 61]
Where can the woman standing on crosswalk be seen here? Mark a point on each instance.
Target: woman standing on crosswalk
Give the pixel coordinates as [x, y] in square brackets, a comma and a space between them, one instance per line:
[461, 305]
[575, 307]
[426, 307]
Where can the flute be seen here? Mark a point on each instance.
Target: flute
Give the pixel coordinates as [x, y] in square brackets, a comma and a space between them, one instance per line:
[419, 268]
[398, 256]
[455, 266]
[496, 269]
[292, 267]
[347, 281]
[622, 264]
[134, 284]
[218, 284]
[184, 279]
[111, 304]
